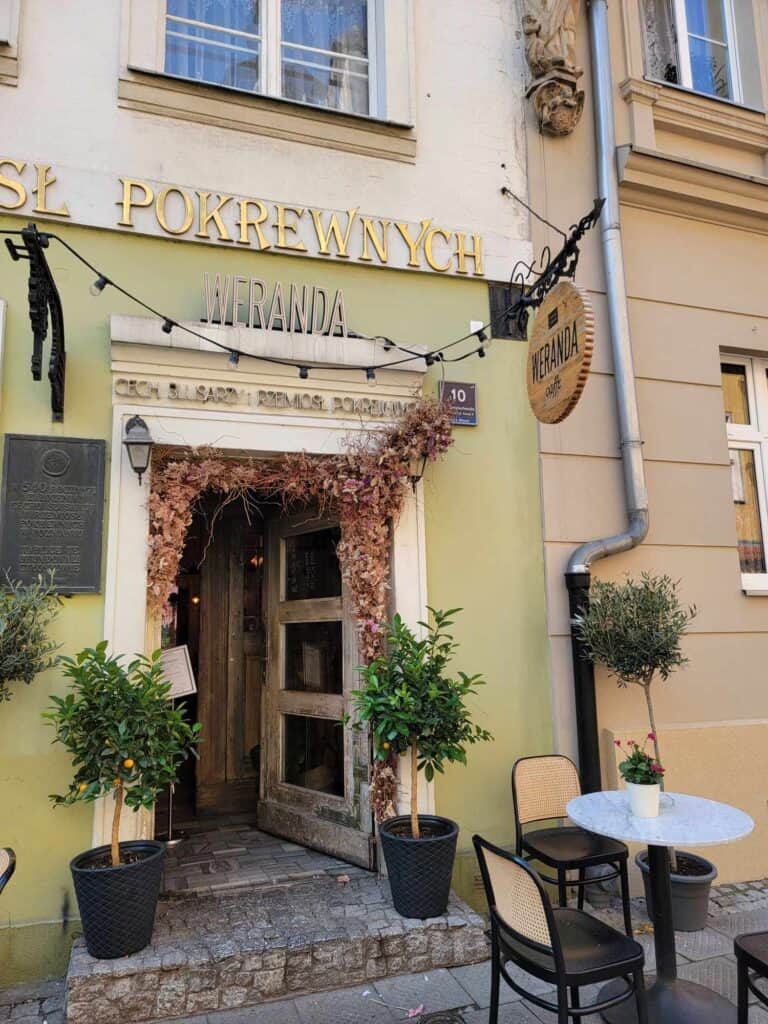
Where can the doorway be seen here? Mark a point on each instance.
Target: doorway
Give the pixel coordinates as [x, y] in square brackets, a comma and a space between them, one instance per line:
[260, 603]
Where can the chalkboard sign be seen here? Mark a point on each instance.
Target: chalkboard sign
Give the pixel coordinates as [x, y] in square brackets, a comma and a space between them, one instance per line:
[52, 508]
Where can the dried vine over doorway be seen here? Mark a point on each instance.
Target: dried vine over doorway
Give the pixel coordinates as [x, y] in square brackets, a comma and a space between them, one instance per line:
[365, 486]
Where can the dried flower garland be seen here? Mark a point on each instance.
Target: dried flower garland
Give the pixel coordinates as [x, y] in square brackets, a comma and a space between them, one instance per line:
[364, 486]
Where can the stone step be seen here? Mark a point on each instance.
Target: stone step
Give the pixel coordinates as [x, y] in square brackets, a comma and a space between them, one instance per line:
[243, 947]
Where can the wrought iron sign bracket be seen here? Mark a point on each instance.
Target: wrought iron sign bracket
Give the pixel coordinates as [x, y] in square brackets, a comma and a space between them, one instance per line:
[44, 307]
[549, 269]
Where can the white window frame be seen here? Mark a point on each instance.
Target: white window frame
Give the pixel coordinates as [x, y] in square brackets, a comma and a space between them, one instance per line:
[753, 436]
[270, 70]
[684, 52]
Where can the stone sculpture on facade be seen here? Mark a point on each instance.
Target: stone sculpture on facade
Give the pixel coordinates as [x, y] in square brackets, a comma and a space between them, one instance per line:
[550, 48]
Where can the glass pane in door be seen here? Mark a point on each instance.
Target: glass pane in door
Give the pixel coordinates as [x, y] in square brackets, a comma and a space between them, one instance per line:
[311, 566]
[313, 657]
[314, 754]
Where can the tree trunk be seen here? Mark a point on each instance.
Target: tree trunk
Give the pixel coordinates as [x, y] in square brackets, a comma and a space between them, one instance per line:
[415, 831]
[116, 825]
[657, 755]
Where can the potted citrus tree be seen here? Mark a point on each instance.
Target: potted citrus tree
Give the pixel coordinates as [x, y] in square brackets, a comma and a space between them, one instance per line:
[414, 705]
[635, 629]
[127, 742]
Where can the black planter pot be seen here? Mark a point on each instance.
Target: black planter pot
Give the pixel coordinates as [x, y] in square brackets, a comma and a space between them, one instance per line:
[419, 869]
[690, 893]
[117, 905]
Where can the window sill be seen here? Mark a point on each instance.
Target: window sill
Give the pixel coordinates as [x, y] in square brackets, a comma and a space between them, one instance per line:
[754, 584]
[169, 96]
[673, 108]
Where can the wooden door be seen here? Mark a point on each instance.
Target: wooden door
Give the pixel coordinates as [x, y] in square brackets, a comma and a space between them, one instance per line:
[315, 769]
[230, 666]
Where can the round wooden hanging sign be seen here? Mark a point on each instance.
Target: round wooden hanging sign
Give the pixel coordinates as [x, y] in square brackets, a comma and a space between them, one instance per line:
[559, 352]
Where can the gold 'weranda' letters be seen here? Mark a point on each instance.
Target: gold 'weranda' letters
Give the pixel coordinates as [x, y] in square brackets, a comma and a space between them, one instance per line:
[257, 223]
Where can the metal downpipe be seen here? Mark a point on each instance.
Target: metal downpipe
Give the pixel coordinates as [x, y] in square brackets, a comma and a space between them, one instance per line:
[577, 573]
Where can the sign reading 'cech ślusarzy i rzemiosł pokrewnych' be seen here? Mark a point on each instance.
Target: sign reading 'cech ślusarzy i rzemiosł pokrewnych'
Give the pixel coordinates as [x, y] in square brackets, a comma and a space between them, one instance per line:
[52, 508]
[560, 345]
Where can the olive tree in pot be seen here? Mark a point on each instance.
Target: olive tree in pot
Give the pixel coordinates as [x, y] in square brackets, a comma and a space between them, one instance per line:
[414, 705]
[635, 629]
[26, 612]
[127, 741]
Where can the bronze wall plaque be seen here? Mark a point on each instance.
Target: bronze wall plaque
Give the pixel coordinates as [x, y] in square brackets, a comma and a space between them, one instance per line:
[52, 510]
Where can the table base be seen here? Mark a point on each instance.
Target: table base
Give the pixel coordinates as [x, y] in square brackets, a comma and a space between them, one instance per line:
[671, 1002]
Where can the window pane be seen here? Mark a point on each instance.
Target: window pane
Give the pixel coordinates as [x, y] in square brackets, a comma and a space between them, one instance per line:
[735, 395]
[660, 41]
[311, 566]
[314, 754]
[214, 41]
[709, 67]
[325, 53]
[313, 658]
[705, 18]
[745, 498]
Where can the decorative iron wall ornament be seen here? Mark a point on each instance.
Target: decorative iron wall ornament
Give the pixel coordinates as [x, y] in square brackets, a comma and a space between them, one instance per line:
[44, 303]
[550, 48]
[548, 270]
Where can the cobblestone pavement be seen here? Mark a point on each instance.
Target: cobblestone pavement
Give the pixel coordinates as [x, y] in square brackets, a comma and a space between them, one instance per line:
[462, 994]
[230, 857]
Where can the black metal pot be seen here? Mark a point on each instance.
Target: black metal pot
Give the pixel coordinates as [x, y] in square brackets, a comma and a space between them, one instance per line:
[117, 905]
[690, 893]
[419, 869]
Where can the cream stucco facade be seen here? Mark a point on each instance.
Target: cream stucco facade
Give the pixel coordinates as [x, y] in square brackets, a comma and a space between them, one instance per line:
[693, 190]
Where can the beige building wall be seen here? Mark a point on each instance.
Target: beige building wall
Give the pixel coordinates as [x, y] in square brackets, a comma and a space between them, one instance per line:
[694, 211]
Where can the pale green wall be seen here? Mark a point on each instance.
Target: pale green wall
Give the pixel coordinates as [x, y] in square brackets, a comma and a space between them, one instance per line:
[482, 507]
[484, 554]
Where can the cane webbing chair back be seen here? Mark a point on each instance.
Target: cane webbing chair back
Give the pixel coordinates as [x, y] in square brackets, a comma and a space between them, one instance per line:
[543, 786]
[517, 898]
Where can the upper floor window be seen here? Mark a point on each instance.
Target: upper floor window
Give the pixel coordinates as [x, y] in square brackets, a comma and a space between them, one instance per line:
[699, 44]
[318, 52]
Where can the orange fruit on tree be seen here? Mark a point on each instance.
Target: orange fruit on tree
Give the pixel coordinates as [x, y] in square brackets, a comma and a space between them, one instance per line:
[82, 787]
[128, 762]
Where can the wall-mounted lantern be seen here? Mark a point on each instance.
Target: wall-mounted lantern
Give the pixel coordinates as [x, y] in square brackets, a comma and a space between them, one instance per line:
[138, 442]
[416, 467]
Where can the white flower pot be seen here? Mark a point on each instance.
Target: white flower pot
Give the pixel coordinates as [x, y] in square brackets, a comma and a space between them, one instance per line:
[644, 799]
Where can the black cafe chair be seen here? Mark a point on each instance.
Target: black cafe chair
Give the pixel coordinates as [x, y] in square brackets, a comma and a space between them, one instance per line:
[565, 947]
[751, 964]
[541, 789]
[7, 866]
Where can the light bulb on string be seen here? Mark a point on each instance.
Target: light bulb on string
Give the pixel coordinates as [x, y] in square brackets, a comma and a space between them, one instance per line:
[304, 372]
[233, 361]
[370, 373]
[168, 326]
[98, 285]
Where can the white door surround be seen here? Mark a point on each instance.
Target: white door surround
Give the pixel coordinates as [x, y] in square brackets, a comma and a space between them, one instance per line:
[127, 625]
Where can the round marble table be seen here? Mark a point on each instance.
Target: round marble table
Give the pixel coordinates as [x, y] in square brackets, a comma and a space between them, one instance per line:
[683, 821]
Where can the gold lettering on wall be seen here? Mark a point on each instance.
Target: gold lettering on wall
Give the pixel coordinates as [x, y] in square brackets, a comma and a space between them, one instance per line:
[206, 216]
[40, 190]
[333, 232]
[381, 245]
[413, 247]
[283, 226]
[428, 252]
[475, 254]
[262, 225]
[128, 201]
[189, 212]
[246, 222]
[14, 186]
